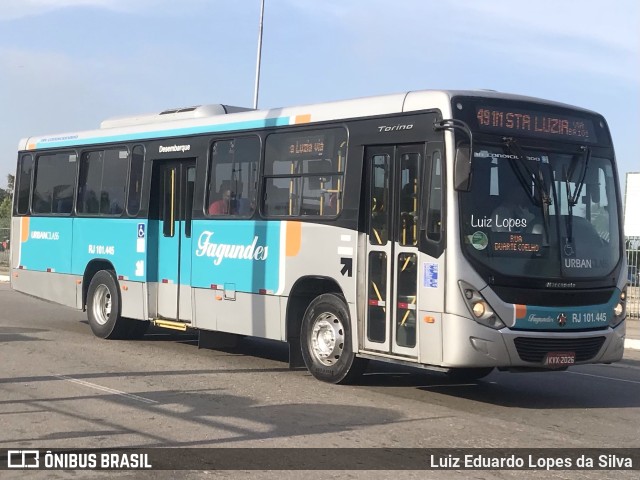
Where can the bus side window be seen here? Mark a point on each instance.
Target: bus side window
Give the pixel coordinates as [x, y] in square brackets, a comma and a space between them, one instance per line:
[434, 213]
[409, 196]
[54, 183]
[102, 185]
[188, 206]
[304, 173]
[379, 204]
[135, 180]
[24, 185]
[276, 200]
[233, 177]
[114, 181]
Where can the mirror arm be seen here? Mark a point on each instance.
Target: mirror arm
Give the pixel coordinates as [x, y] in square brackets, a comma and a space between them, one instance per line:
[462, 171]
[454, 124]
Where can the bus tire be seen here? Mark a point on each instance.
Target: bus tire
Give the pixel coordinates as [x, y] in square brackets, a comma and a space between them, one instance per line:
[325, 338]
[103, 306]
[468, 374]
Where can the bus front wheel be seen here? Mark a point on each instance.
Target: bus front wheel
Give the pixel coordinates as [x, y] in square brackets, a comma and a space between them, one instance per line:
[326, 341]
[103, 306]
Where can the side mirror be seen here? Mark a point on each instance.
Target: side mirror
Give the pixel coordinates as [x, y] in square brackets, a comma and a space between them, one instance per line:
[462, 168]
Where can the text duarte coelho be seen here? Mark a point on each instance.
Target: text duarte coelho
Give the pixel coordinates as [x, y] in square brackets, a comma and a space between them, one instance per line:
[220, 251]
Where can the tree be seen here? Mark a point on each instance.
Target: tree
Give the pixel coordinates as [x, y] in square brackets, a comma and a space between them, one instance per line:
[9, 190]
[5, 207]
[5, 213]
[5, 203]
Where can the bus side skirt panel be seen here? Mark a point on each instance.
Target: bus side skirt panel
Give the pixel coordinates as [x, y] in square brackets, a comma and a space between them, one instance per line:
[133, 296]
[55, 287]
[249, 314]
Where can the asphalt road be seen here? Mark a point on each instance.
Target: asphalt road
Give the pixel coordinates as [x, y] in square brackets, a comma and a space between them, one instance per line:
[60, 387]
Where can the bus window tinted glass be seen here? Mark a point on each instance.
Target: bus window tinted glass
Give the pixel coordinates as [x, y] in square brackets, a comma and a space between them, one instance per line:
[506, 228]
[409, 167]
[304, 173]
[90, 182]
[379, 204]
[135, 180]
[114, 180]
[434, 216]
[24, 185]
[55, 179]
[233, 177]
[102, 183]
[190, 185]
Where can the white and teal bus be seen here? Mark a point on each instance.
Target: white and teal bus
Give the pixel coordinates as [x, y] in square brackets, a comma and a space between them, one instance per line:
[459, 231]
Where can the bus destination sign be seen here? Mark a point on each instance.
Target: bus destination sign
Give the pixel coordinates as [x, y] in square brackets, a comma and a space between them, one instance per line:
[306, 146]
[535, 124]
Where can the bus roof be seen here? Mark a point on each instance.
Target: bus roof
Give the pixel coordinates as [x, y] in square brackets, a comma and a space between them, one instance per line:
[222, 118]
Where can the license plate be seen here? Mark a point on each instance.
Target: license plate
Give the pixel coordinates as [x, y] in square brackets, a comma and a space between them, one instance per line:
[560, 359]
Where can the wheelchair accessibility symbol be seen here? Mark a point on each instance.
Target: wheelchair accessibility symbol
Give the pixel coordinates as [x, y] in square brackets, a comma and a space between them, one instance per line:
[141, 230]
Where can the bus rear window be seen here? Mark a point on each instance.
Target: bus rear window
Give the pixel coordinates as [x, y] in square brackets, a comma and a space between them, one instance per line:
[24, 185]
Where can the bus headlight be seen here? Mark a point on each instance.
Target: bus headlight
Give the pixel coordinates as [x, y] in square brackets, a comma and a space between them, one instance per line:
[480, 310]
[617, 311]
[620, 310]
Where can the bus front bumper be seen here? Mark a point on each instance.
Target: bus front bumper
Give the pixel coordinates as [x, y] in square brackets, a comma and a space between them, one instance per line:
[466, 343]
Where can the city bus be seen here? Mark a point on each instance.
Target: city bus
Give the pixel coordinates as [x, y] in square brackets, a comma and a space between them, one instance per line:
[458, 231]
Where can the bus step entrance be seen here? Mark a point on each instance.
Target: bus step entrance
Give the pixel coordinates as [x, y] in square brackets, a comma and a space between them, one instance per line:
[158, 322]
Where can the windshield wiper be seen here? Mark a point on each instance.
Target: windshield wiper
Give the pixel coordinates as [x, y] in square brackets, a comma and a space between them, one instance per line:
[572, 198]
[543, 199]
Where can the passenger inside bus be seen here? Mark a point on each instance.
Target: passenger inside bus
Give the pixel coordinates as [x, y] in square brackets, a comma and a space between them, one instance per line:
[222, 206]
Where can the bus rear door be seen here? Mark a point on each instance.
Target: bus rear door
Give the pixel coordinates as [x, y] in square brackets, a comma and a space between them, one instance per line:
[172, 189]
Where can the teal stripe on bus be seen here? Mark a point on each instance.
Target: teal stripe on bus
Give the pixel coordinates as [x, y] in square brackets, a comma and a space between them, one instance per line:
[174, 132]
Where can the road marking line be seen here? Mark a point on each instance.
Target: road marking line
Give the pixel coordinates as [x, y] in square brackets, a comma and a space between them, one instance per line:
[606, 378]
[105, 389]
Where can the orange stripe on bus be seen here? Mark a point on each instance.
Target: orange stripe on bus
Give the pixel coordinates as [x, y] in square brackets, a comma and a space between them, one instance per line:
[24, 229]
[521, 311]
[303, 118]
[294, 238]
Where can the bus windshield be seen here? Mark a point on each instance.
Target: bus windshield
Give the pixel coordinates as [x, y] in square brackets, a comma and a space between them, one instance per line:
[535, 213]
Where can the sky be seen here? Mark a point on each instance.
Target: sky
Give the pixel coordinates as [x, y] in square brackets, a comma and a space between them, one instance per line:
[66, 65]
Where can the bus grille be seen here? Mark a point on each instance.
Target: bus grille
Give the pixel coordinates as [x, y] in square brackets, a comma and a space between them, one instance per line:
[535, 349]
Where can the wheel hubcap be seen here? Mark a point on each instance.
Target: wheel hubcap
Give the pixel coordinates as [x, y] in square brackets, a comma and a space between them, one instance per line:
[102, 304]
[327, 338]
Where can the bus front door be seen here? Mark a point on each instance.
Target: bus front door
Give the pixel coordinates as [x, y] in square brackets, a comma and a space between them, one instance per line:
[393, 195]
[172, 188]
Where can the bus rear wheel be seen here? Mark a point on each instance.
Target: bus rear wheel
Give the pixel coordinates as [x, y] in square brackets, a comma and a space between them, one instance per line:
[103, 307]
[326, 341]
